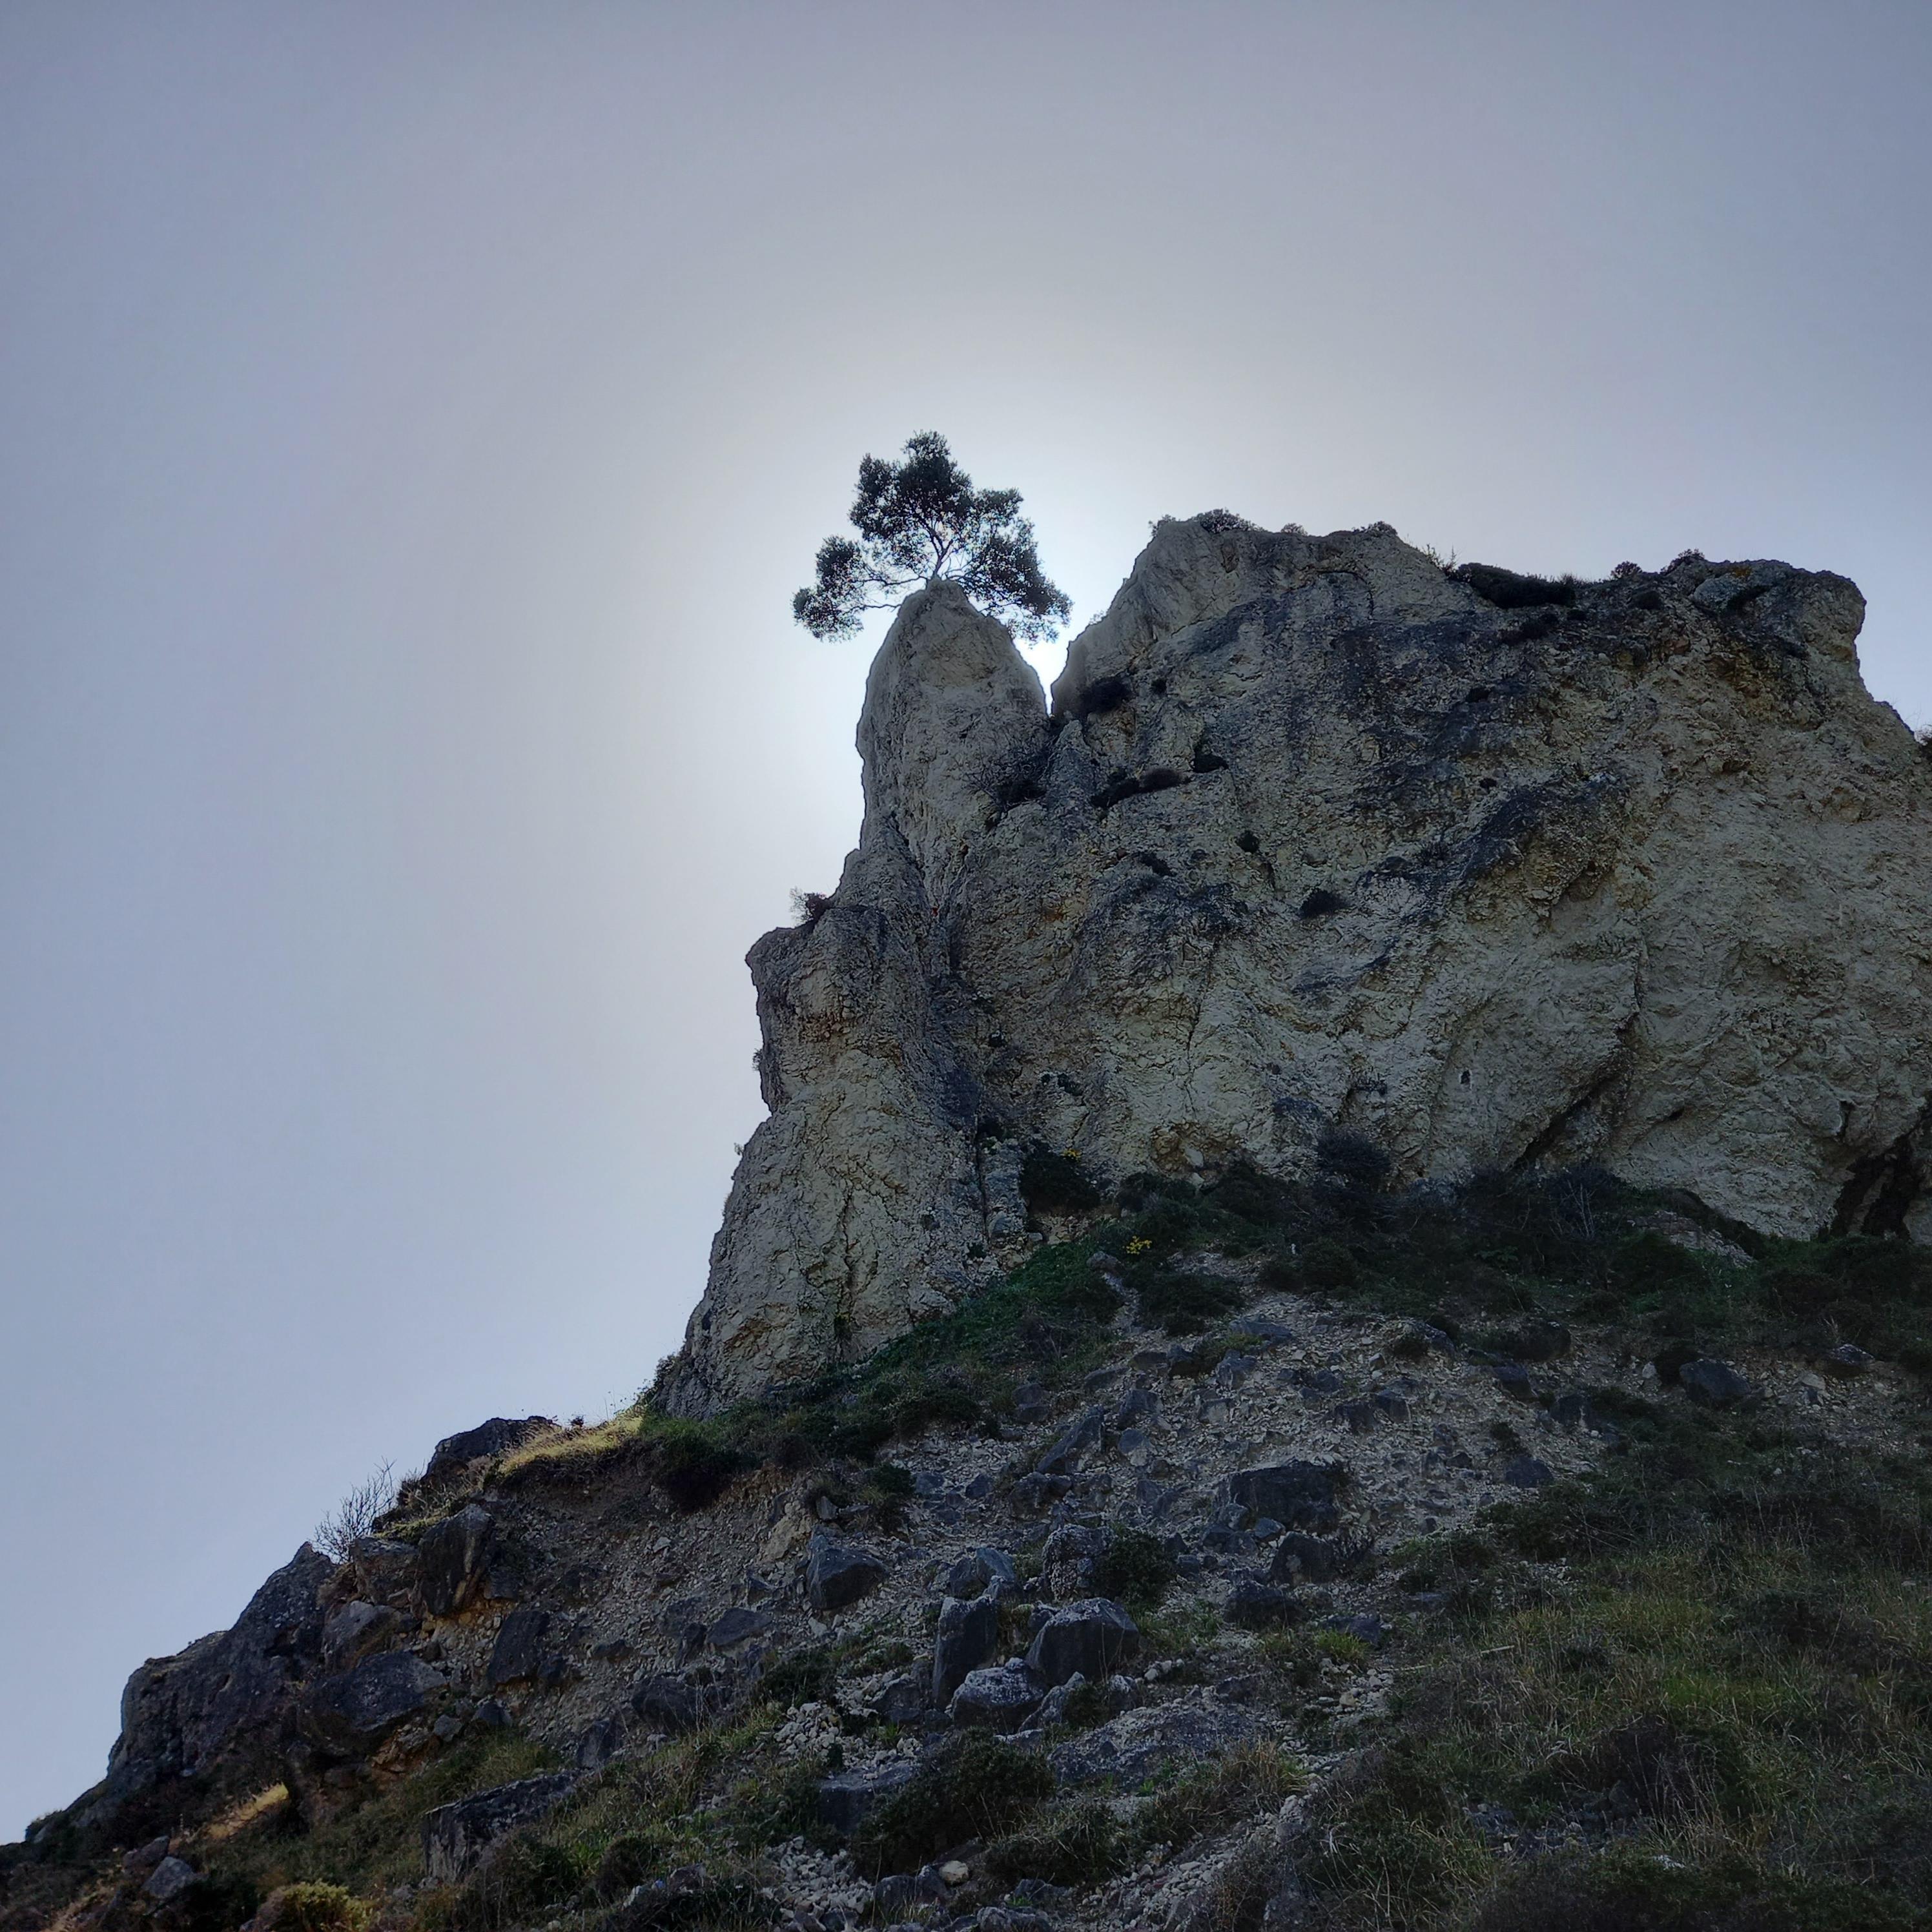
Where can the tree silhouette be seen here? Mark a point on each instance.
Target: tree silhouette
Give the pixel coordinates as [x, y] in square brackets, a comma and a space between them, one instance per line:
[918, 520]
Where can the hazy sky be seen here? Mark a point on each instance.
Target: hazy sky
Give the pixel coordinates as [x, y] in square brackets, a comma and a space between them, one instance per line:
[414, 418]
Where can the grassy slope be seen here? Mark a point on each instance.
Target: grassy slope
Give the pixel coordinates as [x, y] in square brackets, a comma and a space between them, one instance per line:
[1689, 1694]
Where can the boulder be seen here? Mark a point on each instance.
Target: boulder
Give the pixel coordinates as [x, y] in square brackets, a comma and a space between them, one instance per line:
[967, 1633]
[1299, 1495]
[454, 1559]
[1251, 1605]
[352, 1714]
[1301, 1559]
[169, 1879]
[496, 1437]
[220, 1703]
[999, 1697]
[738, 1626]
[454, 1837]
[1715, 1385]
[1066, 1562]
[1527, 1472]
[972, 1573]
[386, 1572]
[1152, 1740]
[1062, 1457]
[838, 1574]
[517, 1655]
[1092, 1637]
[675, 1700]
[352, 1630]
[1846, 1361]
[843, 1800]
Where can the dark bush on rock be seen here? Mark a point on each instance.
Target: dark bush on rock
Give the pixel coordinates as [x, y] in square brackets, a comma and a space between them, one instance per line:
[1055, 1183]
[1184, 1304]
[1512, 590]
[693, 1465]
[1134, 1567]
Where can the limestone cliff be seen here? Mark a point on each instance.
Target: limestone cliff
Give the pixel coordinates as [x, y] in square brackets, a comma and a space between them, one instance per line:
[1319, 841]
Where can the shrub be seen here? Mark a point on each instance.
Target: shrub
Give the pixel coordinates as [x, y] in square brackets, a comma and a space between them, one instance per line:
[355, 1516]
[524, 1878]
[1185, 1304]
[1077, 1844]
[1055, 1183]
[1351, 1159]
[1326, 1264]
[803, 1677]
[693, 1464]
[1512, 590]
[1135, 1567]
[315, 1906]
[980, 1788]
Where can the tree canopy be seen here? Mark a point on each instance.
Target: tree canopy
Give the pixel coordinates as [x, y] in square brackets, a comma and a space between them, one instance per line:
[920, 519]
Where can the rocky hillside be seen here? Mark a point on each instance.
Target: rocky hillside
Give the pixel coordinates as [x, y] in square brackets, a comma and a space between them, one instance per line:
[1368, 1371]
[1324, 1556]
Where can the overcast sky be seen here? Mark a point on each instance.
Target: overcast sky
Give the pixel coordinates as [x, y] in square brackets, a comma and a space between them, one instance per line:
[414, 418]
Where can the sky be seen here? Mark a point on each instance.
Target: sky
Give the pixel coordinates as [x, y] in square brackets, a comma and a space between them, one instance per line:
[414, 420]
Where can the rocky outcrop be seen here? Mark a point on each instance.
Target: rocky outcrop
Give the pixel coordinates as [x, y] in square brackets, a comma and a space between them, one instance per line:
[218, 1707]
[1323, 849]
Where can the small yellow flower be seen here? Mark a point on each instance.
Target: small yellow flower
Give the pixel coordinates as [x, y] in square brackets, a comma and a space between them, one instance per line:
[1139, 1245]
[1071, 1154]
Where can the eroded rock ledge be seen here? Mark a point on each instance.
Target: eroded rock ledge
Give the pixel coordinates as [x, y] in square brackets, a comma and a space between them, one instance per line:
[1319, 840]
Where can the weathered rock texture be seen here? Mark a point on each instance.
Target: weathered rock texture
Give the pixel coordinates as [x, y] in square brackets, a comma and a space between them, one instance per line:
[1318, 838]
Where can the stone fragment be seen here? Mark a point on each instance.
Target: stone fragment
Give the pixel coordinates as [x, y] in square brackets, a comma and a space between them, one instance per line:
[967, 1633]
[1526, 1472]
[1303, 1496]
[739, 1626]
[1062, 1458]
[843, 1800]
[1256, 1607]
[518, 1652]
[386, 1571]
[454, 1558]
[1301, 1559]
[169, 1879]
[1846, 1361]
[454, 1837]
[666, 1701]
[971, 1573]
[1090, 1637]
[1150, 1741]
[1713, 1384]
[352, 1629]
[143, 1858]
[838, 1574]
[1000, 1697]
[1513, 1379]
[496, 1437]
[353, 1713]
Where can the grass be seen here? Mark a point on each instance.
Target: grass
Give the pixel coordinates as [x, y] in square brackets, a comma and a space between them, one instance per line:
[370, 1844]
[1503, 1252]
[1718, 1722]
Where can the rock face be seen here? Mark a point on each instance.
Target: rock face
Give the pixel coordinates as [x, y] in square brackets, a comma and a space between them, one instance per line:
[1322, 847]
[222, 1698]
